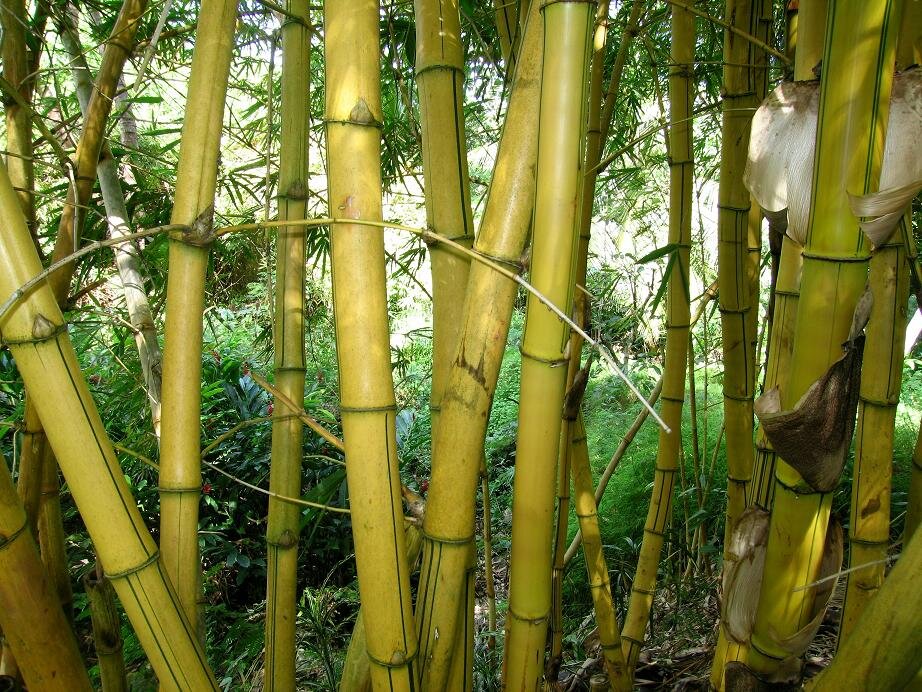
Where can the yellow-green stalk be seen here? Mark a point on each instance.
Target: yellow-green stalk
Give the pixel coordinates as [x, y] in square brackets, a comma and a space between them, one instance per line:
[287, 431]
[448, 527]
[882, 369]
[35, 331]
[668, 453]
[353, 136]
[596, 565]
[440, 81]
[107, 633]
[34, 627]
[736, 308]
[882, 654]
[562, 124]
[914, 501]
[853, 108]
[193, 206]
[507, 26]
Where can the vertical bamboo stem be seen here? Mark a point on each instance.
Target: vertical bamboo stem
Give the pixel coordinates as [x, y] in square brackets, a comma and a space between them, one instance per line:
[852, 120]
[287, 432]
[882, 369]
[448, 527]
[562, 124]
[193, 205]
[681, 170]
[353, 121]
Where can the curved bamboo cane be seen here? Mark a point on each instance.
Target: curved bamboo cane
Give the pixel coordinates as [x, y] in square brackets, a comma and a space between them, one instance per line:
[34, 627]
[681, 168]
[287, 432]
[851, 124]
[448, 526]
[562, 125]
[193, 206]
[36, 334]
[353, 120]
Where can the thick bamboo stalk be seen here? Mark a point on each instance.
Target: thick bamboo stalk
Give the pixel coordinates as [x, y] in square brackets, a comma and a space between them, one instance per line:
[34, 627]
[448, 527]
[353, 121]
[107, 633]
[668, 453]
[193, 206]
[596, 565]
[287, 432]
[562, 124]
[853, 110]
[882, 654]
[35, 332]
[882, 369]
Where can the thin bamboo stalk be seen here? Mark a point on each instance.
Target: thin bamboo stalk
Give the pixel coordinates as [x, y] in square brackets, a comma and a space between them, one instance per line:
[287, 432]
[882, 369]
[457, 452]
[133, 277]
[107, 633]
[353, 121]
[562, 124]
[34, 627]
[914, 502]
[736, 306]
[193, 205]
[507, 26]
[678, 317]
[596, 565]
[35, 332]
[51, 533]
[860, 43]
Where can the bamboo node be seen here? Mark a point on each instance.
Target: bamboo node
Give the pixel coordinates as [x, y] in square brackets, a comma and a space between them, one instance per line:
[152, 559]
[398, 659]
[43, 330]
[553, 362]
[531, 621]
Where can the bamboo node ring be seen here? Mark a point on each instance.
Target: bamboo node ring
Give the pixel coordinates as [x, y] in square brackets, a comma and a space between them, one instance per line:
[152, 559]
[43, 330]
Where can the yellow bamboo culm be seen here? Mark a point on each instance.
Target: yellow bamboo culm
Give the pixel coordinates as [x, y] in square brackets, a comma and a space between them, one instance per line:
[599, 583]
[853, 111]
[36, 334]
[193, 206]
[457, 454]
[862, 662]
[440, 81]
[353, 137]
[34, 627]
[562, 124]
[668, 453]
[882, 368]
[736, 310]
[287, 431]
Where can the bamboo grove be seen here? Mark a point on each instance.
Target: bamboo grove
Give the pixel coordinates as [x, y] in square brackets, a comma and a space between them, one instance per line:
[811, 114]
